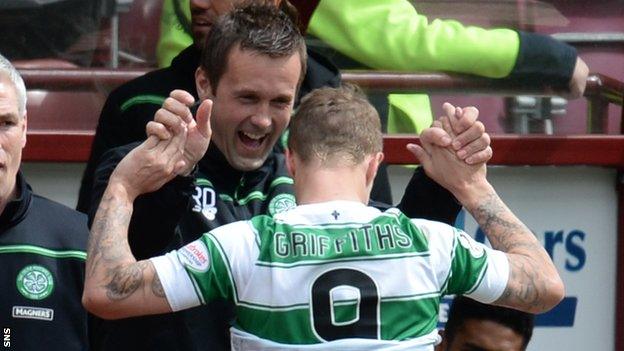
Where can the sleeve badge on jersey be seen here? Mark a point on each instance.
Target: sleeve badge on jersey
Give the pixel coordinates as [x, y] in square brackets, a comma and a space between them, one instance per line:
[195, 256]
[475, 249]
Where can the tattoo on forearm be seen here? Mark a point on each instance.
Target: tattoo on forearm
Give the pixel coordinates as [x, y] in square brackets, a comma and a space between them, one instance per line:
[125, 280]
[508, 234]
[108, 250]
[504, 229]
[157, 288]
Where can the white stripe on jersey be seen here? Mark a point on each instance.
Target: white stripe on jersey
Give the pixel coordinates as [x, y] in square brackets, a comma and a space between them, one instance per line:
[242, 341]
[412, 278]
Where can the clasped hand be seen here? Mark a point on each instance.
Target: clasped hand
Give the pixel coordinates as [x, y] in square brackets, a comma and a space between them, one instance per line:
[176, 142]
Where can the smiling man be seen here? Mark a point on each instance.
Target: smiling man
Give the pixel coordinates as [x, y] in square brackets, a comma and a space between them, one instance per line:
[42, 245]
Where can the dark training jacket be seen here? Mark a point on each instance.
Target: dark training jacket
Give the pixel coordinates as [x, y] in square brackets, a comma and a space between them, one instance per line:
[42, 263]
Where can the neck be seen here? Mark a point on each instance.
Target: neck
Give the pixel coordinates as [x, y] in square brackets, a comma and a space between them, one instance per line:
[318, 184]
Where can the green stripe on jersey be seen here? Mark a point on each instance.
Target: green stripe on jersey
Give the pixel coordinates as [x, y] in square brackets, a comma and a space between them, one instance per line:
[295, 325]
[217, 281]
[467, 270]
[43, 251]
[386, 236]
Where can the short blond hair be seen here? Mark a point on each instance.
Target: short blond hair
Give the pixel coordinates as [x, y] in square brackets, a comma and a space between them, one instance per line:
[335, 125]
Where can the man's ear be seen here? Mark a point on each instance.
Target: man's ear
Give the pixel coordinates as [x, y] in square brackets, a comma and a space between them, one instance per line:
[290, 162]
[24, 130]
[202, 84]
[373, 165]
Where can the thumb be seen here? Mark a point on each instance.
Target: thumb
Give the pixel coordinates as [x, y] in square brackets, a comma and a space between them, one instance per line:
[423, 157]
[203, 118]
[435, 136]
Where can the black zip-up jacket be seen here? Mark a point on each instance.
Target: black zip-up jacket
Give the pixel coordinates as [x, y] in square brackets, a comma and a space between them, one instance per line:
[42, 256]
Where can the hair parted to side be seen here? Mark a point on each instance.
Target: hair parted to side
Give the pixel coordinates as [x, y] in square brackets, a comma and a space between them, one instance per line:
[262, 29]
[9, 70]
[335, 124]
[464, 308]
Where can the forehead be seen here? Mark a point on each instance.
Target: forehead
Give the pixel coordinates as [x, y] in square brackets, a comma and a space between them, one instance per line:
[247, 69]
[8, 95]
[488, 335]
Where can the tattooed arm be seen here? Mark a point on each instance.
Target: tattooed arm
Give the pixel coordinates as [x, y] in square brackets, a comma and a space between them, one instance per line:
[116, 285]
[534, 284]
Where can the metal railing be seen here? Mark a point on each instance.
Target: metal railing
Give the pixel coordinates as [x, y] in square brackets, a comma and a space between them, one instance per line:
[600, 92]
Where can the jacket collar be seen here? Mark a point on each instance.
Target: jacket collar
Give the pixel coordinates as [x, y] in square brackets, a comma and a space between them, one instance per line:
[226, 178]
[16, 209]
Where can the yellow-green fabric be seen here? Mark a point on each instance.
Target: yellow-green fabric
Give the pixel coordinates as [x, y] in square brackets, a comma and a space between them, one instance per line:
[408, 113]
[388, 35]
[173, 38]
[391, 35]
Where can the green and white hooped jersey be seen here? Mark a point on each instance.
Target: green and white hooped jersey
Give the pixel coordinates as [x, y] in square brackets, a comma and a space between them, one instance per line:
[334, 275]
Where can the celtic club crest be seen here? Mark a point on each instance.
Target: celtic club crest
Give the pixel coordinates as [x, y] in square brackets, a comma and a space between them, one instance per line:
[281, 203]
[35, 282]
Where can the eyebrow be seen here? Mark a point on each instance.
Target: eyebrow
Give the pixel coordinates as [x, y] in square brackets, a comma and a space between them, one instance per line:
[245, 91]
[8, 115]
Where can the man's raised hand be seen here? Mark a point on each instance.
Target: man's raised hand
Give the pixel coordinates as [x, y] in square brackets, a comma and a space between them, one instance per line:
[177, 107]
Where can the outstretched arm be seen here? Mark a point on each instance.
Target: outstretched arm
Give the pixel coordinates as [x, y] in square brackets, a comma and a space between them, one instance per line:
[116, 285]
[534, 284]
[391, 34]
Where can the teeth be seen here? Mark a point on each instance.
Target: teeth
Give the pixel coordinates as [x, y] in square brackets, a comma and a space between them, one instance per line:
[253, 136]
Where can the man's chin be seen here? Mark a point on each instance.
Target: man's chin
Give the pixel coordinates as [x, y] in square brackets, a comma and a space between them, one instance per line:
[246, 164]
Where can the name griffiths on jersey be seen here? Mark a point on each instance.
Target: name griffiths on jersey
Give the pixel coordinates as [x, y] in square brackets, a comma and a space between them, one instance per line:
[367, 239]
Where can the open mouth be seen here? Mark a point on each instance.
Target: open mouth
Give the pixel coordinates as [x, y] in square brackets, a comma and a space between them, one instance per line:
[201, 21]
[252, 140]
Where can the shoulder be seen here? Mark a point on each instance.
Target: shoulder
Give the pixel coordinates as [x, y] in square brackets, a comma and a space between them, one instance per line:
[154, 86]
[441, 237]
[56, 225]
[320, 72]
[52, 208]
[235, 230]
[151, 83]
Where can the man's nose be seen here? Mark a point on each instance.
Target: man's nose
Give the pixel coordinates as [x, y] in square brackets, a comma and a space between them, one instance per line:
[204, 4]
[261, 118]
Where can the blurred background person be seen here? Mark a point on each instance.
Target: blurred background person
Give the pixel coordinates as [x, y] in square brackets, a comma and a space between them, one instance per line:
[475, 326]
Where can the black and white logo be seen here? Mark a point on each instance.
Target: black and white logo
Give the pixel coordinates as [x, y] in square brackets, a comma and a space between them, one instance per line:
[205, 199]
[44, 314]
